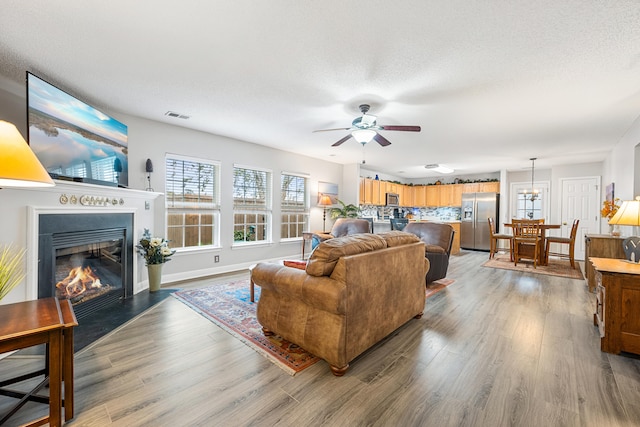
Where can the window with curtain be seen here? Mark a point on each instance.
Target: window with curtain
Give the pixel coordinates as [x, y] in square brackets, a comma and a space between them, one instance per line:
[294, 199]
[192, 202]
[251, 205]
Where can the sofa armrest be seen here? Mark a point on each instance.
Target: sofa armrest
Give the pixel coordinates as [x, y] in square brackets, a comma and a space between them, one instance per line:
[291, 283]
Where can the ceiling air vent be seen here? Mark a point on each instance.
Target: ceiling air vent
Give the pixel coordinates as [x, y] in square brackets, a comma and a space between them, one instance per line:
[176, 115]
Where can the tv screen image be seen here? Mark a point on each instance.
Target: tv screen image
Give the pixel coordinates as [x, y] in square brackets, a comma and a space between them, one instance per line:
[73, 140]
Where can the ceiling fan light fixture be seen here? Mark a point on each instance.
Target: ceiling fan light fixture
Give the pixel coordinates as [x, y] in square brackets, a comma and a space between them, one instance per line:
[363, 135]
[439, 168]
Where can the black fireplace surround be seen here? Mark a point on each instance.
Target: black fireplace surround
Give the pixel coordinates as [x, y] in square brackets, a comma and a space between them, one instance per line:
[67, 233]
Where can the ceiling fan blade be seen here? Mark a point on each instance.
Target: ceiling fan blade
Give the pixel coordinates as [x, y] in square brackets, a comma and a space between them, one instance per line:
[328, 130]
[403, 128]
[341, 141]
[381, 140]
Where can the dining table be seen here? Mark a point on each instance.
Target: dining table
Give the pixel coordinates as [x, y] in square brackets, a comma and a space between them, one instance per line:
[542, 251]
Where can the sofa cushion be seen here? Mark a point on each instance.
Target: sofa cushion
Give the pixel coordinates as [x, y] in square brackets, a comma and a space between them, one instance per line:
[397, 238]
[324, 258]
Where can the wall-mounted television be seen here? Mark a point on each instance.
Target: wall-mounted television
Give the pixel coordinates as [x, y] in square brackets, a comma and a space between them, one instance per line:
[75, 141]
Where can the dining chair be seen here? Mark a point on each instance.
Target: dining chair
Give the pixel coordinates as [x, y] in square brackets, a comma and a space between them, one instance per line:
[495, 237]
[526, 241]
[571, 241]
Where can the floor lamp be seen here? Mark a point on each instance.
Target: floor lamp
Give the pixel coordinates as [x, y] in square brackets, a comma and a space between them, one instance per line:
[324, 202]
[629, 214]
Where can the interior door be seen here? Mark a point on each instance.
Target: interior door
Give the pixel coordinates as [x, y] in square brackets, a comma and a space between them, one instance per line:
[580, 199]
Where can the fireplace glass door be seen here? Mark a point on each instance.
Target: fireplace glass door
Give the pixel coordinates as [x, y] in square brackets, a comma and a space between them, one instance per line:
[87, 271]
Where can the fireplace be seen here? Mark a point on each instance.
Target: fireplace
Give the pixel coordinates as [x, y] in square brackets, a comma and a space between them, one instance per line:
[86, 258]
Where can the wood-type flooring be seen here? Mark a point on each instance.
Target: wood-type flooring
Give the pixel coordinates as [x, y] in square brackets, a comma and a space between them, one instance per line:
[497, 348]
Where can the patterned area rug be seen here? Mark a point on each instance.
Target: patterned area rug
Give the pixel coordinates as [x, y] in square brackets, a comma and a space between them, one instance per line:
[228, 306]
[438, 285]
[556, 267]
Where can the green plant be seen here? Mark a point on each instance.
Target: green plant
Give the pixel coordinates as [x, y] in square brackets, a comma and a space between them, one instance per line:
[346, 211]
[155, 250]
[11, 272]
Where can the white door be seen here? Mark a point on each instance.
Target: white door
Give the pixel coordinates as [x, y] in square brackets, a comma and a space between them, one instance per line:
[580, 199]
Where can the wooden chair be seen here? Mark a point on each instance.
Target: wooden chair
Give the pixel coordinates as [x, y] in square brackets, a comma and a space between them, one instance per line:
[571, 241]
[493, 246]
[526, 241]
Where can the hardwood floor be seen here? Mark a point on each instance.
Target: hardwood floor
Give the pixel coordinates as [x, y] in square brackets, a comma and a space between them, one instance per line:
[496, 348]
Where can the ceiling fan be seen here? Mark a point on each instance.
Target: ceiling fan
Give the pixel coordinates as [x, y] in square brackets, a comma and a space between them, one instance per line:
[365, 128]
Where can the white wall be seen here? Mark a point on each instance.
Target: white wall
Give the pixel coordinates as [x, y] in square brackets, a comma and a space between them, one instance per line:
[150, 139]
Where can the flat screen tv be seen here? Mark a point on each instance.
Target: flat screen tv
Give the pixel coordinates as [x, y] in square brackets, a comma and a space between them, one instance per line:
[75, 141]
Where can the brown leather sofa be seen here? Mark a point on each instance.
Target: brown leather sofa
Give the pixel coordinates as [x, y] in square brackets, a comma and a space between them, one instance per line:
[438, 238]
[355, 291]
[342, 227]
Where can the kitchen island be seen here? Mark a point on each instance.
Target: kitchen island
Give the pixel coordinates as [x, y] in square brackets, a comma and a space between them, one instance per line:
[380, 226]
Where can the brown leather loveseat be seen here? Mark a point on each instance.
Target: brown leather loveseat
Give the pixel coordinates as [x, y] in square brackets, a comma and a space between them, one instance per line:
[355, 291]
[438, 239]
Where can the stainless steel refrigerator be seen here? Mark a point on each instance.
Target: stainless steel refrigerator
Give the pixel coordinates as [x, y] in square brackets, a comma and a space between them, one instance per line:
[474, 227]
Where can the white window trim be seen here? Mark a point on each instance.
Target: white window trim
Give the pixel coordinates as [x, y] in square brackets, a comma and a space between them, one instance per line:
[215, 208]
[267, 210]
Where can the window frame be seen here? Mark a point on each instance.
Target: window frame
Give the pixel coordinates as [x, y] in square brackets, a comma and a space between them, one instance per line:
[213, 209]
[266, 210]
[305, 210]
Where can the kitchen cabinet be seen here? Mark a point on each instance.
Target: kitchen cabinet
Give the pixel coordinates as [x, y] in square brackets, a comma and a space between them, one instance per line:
[489, 187]
[433, 195]
[420, 195]
[617, 305]
[482, 187]
[451, 195]
[455, 247]
[406, 196]
[600, 246]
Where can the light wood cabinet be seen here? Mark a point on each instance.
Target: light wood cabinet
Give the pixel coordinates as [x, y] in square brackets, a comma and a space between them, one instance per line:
[600, 246]
[451, 195]
[420, 195]
[617, 305]
[433, 195]
[373, 192]
[489, 187]
[407, 196]
[455, 247]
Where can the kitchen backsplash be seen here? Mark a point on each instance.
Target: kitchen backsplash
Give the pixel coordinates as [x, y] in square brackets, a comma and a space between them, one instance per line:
[429, 214]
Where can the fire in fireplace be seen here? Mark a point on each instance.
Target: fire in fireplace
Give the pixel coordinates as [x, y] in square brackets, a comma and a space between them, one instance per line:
[86, 258]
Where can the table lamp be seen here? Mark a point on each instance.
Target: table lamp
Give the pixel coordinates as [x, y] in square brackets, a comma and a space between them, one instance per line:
[19, 166]
[324, 202]
[629, 214]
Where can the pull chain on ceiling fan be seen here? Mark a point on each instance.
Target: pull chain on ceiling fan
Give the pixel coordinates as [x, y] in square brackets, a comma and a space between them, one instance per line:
[365, 128]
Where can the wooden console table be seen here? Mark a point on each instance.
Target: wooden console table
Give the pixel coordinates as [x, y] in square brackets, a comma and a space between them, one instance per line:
[600, 246]
[618, 305]
[44, 321]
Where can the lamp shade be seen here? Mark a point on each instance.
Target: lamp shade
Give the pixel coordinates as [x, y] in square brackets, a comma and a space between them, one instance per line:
[325, 201]
[628, 213]
[19, 166]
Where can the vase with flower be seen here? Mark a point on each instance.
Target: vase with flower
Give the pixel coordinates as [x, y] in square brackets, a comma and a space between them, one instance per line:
[156, 252]
[609, 209]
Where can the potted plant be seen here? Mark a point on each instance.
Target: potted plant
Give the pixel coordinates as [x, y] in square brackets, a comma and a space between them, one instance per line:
[11, 272]
[345, 211]
[156, 252]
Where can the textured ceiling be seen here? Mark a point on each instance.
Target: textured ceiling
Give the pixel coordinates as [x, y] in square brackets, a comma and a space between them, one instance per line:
[491, 83]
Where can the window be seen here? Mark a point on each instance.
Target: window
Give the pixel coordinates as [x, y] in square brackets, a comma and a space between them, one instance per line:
[522, 206]
[295, 205]
[192, 202]
[251, 205]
